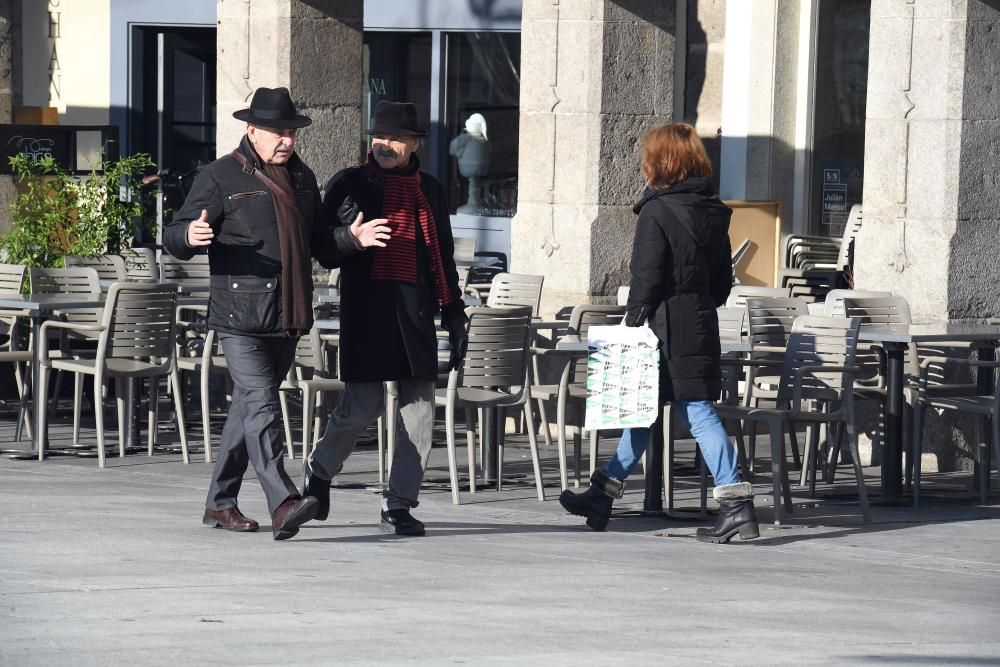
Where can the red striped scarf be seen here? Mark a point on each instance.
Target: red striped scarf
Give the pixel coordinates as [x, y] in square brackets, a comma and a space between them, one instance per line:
[404, 206]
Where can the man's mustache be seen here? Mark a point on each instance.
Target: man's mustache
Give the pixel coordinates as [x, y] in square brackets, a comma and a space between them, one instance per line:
[386, 152]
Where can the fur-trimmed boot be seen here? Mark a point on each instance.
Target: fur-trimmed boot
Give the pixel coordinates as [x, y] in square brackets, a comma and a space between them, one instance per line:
[595, 502]
[736, 515]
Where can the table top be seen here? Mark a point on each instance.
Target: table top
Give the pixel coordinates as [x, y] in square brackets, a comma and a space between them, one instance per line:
[330, 324]
[927, 333]
[36, 304]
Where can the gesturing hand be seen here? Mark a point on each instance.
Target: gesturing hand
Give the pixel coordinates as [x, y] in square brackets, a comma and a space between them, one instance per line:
[371, 233]
[199, 232]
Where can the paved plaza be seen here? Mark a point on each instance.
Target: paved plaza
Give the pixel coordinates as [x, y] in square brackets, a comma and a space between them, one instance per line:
[113, 567]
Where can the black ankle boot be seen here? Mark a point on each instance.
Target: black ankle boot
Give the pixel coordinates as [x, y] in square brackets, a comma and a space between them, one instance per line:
[318, 488]
[595, 502]
[736, 515]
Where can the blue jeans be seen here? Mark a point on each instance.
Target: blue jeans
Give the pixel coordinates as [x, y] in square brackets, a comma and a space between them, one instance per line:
[702, 420]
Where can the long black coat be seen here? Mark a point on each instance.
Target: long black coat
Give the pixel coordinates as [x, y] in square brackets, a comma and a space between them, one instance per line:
[387, 328]
[679, 278]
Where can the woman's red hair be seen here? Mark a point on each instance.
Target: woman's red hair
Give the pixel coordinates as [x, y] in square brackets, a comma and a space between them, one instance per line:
[672, 153]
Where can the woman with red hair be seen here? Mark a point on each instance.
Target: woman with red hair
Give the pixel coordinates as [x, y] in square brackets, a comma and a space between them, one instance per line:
[681, 272]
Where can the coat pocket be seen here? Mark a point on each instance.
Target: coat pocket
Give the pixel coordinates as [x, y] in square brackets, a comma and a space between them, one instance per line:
[246, 303]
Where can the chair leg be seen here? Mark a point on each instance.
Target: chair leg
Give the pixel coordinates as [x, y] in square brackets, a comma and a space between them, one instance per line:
[577, 457]
[779, 482]
[77, 405]
[594, 441]
[980, 458]
[501, 427]
[380, 426]
[529, 422]
[859, 475]
[449, 427]
[561, 436]
[23, 416]
[918, 447]
[122, 409]
[391, 421]
[995, 438]
[546, 435]
[470, 445]
[206, 413]
[287, 421]
[308, 406]
[175, 382]
[154, 397]
[99, 418]
[43, 410]
[668, 454]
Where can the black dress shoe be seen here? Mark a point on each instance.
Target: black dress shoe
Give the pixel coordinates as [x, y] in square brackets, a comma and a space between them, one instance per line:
[230, 518]
[401, 522]
[318, 488]
[291, 514]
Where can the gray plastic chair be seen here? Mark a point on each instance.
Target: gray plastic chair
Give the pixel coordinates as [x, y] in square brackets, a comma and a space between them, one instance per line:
[740, 293]
[310, 375]
[193, 275]
[516, 289]
[108, 267]
[815, 386]
[17, 349]
[495, 374]
[141, 265]
[572, 385]
[135, 340]
[210, 360]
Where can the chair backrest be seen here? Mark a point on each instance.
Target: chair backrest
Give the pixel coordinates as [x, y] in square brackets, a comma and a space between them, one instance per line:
[310, 358]
[770, 320]
[463, 277]
[193, 272]
[802, 251]
[834, 304]
[732, 322]
[581, 318]
[739, 295]
[818, 341]
[878, 310]
[621, 297]
[108, 267]
[139, 321]
[498, 352]
[333, 280]
[12, 278]
[846, 255]
[75, 280]
[516, 289]
[465, 250]
[141, 264]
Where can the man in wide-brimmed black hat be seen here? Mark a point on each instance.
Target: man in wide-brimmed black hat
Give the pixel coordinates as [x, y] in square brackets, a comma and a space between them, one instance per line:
[255, 212]
[389, 298]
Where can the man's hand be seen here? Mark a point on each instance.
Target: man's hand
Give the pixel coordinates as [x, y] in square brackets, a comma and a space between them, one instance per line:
[199, 232]
[371, 233]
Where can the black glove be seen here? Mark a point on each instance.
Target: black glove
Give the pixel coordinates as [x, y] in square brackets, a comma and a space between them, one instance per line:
[348, 211]
[636, 315]
[455, 322]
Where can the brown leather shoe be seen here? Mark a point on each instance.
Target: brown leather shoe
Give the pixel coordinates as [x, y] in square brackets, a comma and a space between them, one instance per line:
[291, 514]
[230, 518]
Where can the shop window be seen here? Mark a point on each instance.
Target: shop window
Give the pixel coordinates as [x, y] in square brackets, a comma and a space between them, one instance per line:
[839, 121]
[397, 67]
[481, 121]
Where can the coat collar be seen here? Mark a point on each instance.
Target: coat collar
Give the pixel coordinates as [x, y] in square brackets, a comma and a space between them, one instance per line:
[701, 185]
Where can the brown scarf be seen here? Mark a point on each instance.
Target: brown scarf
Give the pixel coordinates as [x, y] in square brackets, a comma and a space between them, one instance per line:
[406, 207]
[293, 237]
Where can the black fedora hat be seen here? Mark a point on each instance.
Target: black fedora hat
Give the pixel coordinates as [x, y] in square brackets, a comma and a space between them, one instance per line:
[397, 119]
[272, 107]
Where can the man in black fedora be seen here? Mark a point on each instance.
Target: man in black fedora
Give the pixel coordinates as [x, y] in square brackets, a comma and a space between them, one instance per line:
[255, 212]
[389, 298]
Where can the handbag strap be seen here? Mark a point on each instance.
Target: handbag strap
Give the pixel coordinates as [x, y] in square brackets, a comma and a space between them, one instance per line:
[273, 187]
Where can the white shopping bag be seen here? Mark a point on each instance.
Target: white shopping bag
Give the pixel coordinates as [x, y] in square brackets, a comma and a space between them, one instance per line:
[622, 377]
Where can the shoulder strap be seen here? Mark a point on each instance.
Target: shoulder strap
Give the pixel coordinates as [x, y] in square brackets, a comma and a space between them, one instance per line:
[273, 187]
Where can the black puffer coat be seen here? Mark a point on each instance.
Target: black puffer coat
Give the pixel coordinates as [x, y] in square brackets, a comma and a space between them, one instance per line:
[681, 272]
[387, 328]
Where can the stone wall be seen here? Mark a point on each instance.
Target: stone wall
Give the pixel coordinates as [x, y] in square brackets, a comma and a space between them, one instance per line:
[312, 47]
[595, 74]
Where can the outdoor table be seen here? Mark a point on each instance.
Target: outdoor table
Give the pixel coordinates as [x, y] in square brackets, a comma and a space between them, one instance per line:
[326, 295]
[38, 307]
[895, 339]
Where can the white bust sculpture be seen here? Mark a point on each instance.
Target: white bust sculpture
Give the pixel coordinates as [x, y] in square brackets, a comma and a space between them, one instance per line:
[472, 149]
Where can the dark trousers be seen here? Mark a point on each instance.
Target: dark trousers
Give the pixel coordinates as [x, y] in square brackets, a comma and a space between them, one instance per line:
[253, 432]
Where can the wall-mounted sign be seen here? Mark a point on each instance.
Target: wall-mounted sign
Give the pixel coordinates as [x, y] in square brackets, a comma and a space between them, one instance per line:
[75, 147]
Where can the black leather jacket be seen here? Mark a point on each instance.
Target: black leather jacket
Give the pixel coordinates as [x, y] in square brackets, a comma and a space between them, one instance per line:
[245, 256]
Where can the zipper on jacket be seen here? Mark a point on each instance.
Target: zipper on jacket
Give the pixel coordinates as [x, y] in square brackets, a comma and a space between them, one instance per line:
[242, 195]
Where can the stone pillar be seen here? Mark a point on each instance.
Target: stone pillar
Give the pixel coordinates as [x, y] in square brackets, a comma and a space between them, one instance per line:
[759, 110]
[313, 48]
[595, 74]
[931, 229]
[932, 158]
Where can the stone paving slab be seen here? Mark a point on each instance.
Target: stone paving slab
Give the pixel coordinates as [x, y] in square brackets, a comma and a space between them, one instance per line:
[109, 567]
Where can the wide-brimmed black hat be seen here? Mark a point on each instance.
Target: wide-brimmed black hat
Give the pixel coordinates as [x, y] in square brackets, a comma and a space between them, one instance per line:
[272, 107]
[396, 119]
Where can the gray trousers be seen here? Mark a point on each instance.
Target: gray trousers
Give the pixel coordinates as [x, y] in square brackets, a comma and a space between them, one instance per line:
[360, 405]
[253, 432]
